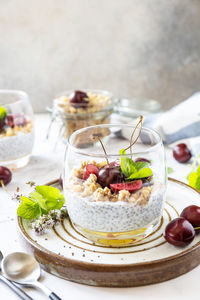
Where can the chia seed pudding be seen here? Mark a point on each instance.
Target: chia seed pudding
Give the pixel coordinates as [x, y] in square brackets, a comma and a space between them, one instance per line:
[16, 137]
[98, 208]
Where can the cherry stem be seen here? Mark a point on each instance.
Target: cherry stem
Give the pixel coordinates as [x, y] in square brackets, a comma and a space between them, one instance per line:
[103, 149]
[196, 228]
[2, 184]
[131, 142]
[4, 188]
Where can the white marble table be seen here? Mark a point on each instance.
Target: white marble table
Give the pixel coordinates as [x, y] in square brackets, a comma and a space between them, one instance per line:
[46, 165]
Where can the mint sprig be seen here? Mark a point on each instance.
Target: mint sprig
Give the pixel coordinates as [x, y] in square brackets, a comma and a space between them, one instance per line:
[194, 176]
[133, 170]
[169, 170]
[40, 201]
[3, 113]
[28, 209]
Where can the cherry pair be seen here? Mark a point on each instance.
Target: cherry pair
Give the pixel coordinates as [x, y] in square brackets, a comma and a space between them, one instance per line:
[181, 231]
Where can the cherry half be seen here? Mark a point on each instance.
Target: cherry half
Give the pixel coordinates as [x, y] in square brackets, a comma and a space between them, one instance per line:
[9, 121]
[5, 175]
[179, 232]
[79, 99]
[181, 153]
[128, 186]
[90, 169]
[192, 214]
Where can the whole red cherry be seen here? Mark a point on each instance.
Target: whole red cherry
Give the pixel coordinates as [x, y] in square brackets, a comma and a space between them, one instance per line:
[79, 99]
[5, 175]
[181, 153]
[179, 232]
[192, 214]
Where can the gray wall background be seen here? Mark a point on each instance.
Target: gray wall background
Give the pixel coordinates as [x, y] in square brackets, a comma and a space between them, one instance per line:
[148, 48]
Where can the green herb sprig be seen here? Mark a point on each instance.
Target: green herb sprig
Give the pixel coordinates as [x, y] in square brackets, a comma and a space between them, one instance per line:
[40, 202]
[3, 113]
[134, 170]
[169, 170]
[194, 176]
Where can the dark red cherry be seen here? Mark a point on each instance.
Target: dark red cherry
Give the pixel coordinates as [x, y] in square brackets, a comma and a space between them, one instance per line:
[192, 214]
[181, 153]
[141, 159]
[9, 121]
[129, 186]
[179, 232]
[2, 123]
[5, 175]
[79, 99]
[108, 175]
[90, 169]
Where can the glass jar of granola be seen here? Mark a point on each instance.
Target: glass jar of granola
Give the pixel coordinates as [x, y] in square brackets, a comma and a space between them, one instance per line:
[78, 109]
[115, 183]
[16, 128]
[73, 110]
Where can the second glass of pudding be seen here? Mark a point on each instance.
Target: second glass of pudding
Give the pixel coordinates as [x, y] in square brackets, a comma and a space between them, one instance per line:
[115, 199]
[16, 128]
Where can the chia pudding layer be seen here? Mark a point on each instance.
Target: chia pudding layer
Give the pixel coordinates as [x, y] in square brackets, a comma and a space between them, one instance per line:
[117, 216]
[98, 208]
[16, 146]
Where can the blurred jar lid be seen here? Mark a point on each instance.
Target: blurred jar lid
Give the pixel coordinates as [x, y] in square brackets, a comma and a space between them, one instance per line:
[136, 106]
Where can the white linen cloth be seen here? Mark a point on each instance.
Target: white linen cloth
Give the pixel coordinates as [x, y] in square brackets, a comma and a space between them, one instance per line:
[180, 122]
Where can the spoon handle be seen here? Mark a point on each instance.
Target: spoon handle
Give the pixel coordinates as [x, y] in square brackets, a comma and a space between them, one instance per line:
[15, 289]
[53, 296]
[46, 290]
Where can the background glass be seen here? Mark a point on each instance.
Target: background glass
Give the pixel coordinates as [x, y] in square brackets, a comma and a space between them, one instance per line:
[17, 138]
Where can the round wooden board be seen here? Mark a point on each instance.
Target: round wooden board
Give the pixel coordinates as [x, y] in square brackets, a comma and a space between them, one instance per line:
[67, 254]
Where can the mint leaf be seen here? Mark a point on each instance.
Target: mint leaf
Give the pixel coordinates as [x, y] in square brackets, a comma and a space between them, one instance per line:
[146, 172]
[47, 191]
[39, 202]
[36, 197]
[3, 113]
[52, 196]
[192, 179]
[127, 164]
[133, 170]
[28, 209]
[140, 165]
[169, 170]
[197, 185]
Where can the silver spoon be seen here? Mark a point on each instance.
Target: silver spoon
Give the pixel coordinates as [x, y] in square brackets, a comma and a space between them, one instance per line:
[23, 268]
[12, 286]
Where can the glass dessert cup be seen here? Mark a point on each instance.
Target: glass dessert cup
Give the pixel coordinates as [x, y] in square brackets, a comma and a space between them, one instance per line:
[115, 199]
[16, 128]
[73, 112]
